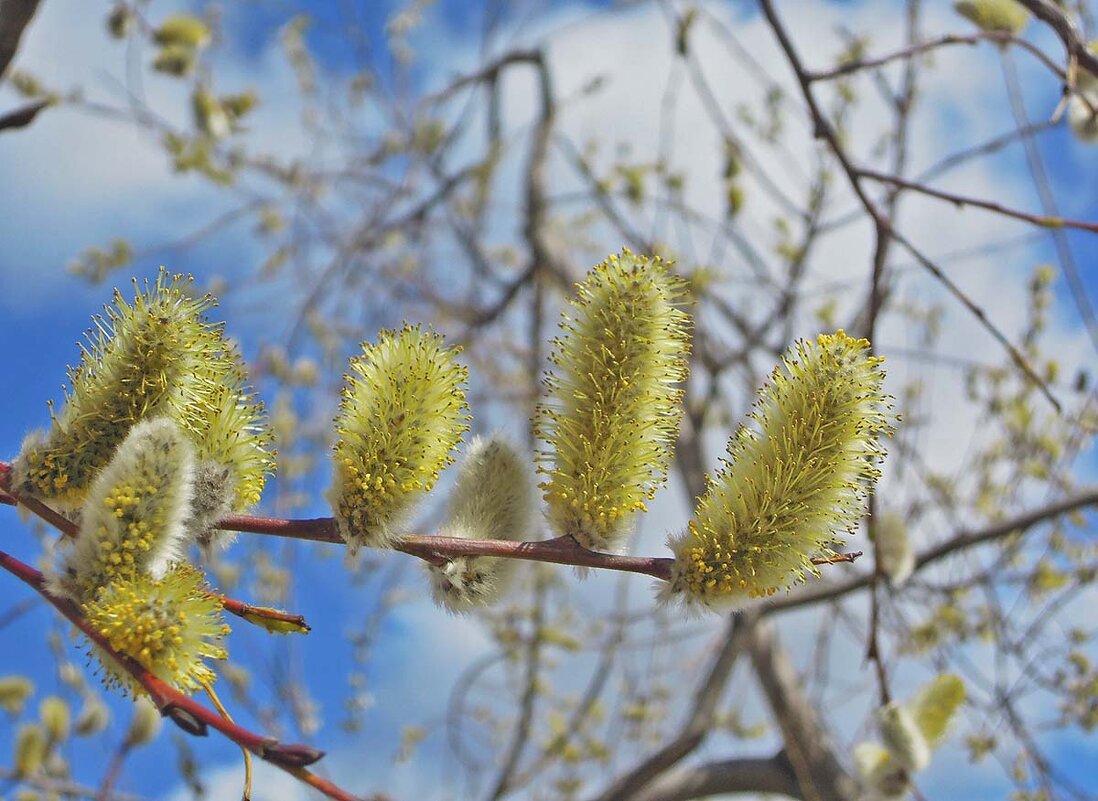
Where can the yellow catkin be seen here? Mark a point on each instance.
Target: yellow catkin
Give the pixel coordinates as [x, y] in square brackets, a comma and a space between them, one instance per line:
[614, 398]
[402, 414]
[170, 626]
[798, 474]
[154, 357]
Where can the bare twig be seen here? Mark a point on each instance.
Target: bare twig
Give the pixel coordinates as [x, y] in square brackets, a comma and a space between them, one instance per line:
[22, 117]
[15, 15]
[1074, 44]
[699, 720]
[961, 541]
[811, 754]
[919, 48]
[1044, 221]
[189, 715]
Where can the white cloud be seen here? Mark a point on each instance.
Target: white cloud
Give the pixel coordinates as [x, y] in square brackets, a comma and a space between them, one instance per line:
[82, 178]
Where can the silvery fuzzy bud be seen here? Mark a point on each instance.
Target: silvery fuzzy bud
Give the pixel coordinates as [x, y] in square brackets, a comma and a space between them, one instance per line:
[30, 749]
[895, 555]
[133, 521]
[492, 499]
[145, 723]
[881, 775]
[902, 737]
[55, 717]
[14, 692]
[93, 718]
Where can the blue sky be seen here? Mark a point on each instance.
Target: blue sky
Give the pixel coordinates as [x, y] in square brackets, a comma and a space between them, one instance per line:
[72, 181]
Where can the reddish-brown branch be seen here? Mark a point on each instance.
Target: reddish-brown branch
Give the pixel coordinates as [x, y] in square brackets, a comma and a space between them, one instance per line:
[284, 620]
[561, 551]
[186, 713]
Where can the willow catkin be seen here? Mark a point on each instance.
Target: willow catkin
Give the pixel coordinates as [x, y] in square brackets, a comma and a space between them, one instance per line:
[798, 474]
[402, 414]
[614, 399]
[492, 499]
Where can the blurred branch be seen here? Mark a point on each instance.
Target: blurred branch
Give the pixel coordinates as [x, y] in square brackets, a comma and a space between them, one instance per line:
[909, 52]
[811, 754]
[22, 117]
[882, 225]
[15, 15]
[1043, 221]
[65, 788]
[639, 781]
[520, 733]
[960, 541]
[1053, 16]
[767, 776]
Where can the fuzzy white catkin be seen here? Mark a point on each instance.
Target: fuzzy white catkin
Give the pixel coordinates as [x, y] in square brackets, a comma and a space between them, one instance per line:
[903, 738]
[894, 552]
[145, 723]
[1081, 116]
[137, 508]
[881, 775]
[492, 499]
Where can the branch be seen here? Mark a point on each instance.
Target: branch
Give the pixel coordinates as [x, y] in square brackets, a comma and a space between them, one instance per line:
[561, 551]
[1041, 220]
[189, 715]
[64, 788]
[960, 541]
[999, 37]
[1073, 43]
[811, 754]
[771, 775]
[638, 782]
[883, 227]
[22, 117]
[15, 15]
[263, 616]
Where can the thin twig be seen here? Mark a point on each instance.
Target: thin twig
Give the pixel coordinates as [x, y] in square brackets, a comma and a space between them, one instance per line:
[1042, 220]
[910, 51]
[285, 621]
[189, 715]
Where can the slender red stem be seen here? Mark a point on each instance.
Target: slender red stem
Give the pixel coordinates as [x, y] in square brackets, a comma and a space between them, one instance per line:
[253, 614]
[188, 714]
[561, 551]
